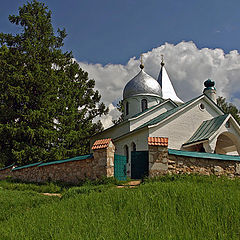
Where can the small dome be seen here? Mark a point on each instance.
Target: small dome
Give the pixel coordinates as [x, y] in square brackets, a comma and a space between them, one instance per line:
[209, 84]
[142, 83]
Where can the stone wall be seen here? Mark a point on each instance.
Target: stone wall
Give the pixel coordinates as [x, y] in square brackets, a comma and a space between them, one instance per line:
[105, 161]
[161, 162]
[180, 165]
[158, 160]
[100, 164]
[71, 172]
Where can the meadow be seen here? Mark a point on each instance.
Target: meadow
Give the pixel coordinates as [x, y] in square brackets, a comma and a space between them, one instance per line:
[170, 207]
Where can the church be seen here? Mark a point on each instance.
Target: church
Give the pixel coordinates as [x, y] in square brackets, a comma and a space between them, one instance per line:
[153, 109]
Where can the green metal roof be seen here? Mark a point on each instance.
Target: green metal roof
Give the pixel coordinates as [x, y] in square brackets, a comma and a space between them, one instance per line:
[67, 160]
[41, 164]
[207, 129]
[166, 114]
[204, 155]
[27, 166]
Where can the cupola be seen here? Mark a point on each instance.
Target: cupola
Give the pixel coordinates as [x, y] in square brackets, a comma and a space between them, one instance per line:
[210, 89]
[140, 93]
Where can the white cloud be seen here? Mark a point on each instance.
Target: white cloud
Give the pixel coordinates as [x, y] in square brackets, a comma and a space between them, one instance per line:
[112, 115]
[188, 68]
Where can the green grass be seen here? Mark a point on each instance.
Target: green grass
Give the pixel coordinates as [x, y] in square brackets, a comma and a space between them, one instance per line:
[170, 207]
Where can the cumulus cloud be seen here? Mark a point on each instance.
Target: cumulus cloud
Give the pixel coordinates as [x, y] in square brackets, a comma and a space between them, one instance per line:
[187, 66]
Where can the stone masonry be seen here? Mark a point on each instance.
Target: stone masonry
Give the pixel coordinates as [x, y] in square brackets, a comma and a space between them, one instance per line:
[158, 156]
[101, 164]
[161, 162]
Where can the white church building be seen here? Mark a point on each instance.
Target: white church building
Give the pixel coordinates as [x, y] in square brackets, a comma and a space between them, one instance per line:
[153, 109]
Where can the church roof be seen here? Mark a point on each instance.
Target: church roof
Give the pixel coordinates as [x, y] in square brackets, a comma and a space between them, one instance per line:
[166, 85]
[167, 114]
[206, 129]
[153, 107]
[142, 83]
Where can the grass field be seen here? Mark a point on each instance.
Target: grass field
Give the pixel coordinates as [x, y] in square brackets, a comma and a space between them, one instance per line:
[172, 207]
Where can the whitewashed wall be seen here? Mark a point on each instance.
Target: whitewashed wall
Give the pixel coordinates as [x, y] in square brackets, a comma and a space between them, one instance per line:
[145, 117]
[180, 128]
[135, 103]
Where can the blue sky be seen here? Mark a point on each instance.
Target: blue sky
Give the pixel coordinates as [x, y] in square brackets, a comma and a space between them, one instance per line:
[199, 40]
[111, 31]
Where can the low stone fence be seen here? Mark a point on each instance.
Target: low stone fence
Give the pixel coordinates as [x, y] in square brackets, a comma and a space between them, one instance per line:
[93, 166]
[169, 161]
[101, 163]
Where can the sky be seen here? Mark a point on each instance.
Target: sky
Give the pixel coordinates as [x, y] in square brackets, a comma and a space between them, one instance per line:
[199, 40]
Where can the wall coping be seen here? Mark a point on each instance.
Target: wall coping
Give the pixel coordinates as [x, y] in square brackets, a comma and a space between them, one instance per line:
[7, 167]
[101, 144]
[158, 141]
[82, 157]
[204, 155]
[41, 164]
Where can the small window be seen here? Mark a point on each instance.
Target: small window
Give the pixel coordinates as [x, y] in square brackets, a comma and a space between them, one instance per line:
[126, 152]
[202, 106]
[134, 147]
[127, 108]
[144, 105]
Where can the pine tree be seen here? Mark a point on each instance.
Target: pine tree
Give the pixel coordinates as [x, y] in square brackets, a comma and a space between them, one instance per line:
[47, 102]
[120, 108]
[229, 108]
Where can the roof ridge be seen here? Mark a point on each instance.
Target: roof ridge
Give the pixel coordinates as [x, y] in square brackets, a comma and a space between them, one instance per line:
[155, 106]
[167, 113]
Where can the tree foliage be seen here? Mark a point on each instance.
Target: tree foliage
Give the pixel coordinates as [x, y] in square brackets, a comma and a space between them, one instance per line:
[120, 108]
[47, 102]
[229, 108]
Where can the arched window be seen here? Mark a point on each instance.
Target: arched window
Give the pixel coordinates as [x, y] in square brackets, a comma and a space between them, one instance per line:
[127, 108]
[126, 152]
[144, 104]
[133, 146]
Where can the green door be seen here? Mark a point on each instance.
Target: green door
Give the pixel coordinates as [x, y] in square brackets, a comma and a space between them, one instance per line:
[139, 164]
[120, 172]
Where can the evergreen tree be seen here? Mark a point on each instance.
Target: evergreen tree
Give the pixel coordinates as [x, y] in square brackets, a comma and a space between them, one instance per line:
[120, 108]
[229, 108]
[47, 102]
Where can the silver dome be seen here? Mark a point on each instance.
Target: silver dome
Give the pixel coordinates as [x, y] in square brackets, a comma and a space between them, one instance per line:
[142, 83]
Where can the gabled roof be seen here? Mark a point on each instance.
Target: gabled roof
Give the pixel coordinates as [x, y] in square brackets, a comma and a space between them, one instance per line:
[153, 107]
[168, 113]
[206, 129]
[172, 112]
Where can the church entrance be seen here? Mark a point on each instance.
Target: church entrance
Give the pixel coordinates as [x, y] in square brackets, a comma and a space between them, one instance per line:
[227, 143]
[120, 172]
[139, 164]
